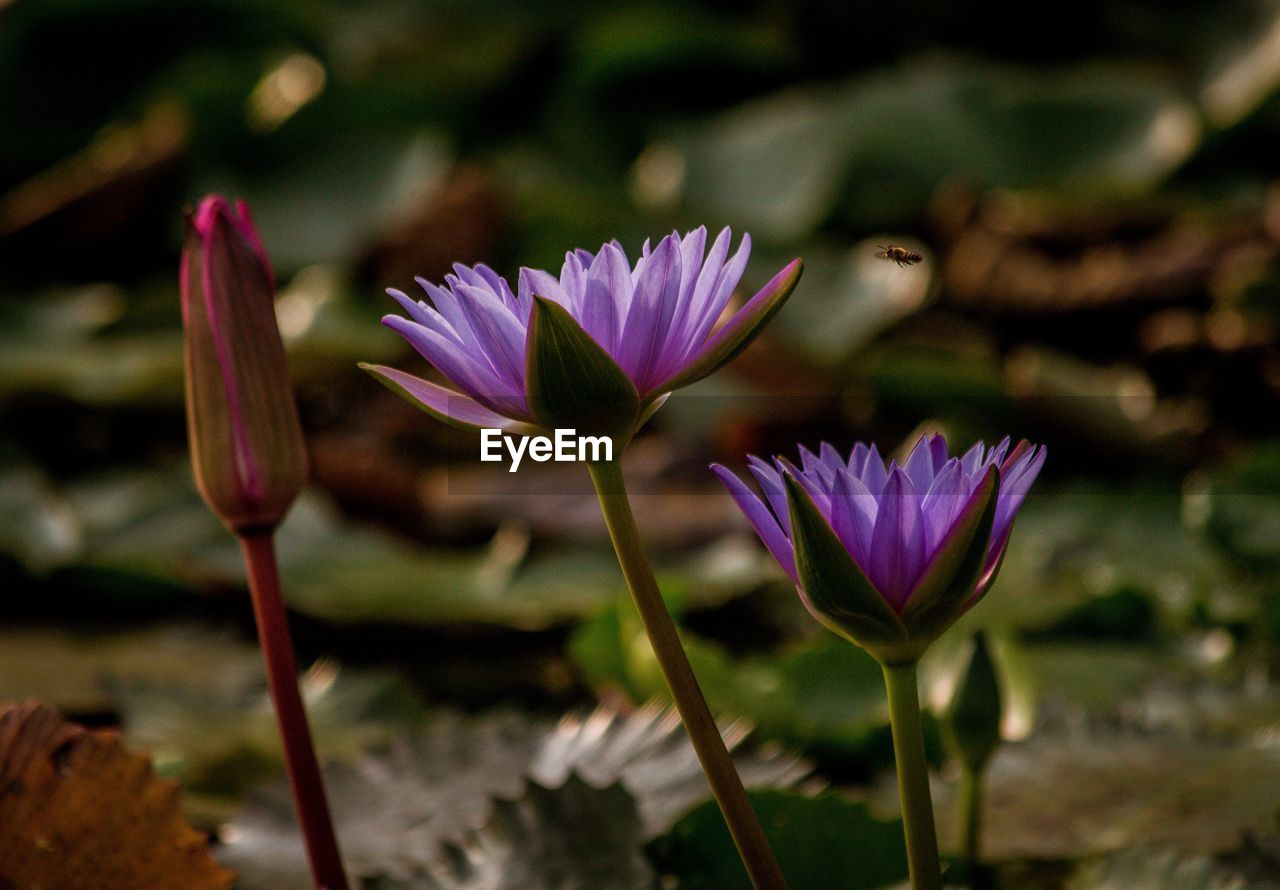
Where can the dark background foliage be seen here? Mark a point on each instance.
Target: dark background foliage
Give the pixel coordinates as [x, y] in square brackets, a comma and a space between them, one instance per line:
[1096, 190]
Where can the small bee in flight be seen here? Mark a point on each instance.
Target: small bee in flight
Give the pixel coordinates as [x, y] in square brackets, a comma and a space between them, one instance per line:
[900, 255]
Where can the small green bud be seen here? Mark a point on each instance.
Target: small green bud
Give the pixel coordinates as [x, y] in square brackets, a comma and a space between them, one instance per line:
[972, 722]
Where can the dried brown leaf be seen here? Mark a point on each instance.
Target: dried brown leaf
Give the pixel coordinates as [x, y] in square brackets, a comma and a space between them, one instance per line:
[79, 812]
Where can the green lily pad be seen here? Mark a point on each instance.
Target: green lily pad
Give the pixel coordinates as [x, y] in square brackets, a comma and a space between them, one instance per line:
[404, 807]
[823, 841]
[826, 696]
[1072, 794]
[1147, 869]
[575, 835]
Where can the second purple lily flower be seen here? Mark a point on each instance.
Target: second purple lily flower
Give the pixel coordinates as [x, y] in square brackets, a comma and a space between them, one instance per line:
[651, 329]
[889, 556]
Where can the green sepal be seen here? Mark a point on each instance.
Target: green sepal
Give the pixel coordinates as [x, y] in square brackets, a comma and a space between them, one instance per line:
[971, 725]
[836, 589]
[939, 598]
[571, 382]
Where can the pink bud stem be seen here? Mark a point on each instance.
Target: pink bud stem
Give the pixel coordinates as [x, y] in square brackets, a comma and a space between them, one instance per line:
[282, 676]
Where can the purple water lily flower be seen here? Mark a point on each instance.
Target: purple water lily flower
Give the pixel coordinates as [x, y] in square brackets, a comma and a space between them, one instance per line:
[655, 320]
[924, 539]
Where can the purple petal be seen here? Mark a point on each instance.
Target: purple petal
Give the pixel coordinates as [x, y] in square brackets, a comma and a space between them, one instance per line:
[444, 404]
[479, 381]
[737, 333]
[831, 458]
[874, 475]
[537, 283]
[809, 462]
[499, 335]
[818, 490]
[919, 465]
[938, 448]
[678, 344]
[573, 281]
[1017, 475]
[649, 318]
[944, 501]
[492, 278]
[761, 519]
[973, 459]
[447, 303]
[897, 543]
[692, 248]
[853, 515]
[607, 293]
[858, 459]
[419, 312]
[726, 282]
[770, 483]
[703, 291]
[998, 452]
[473, 277]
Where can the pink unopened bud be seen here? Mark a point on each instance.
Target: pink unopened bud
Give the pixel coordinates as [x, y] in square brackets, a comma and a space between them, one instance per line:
[247, 448]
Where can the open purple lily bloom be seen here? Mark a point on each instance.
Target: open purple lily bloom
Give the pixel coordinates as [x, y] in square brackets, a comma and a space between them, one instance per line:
[889, 556]
[644, 330]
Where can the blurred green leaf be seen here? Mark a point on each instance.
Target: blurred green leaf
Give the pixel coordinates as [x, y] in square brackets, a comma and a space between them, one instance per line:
[849, 298]
[875, 147]
[220, 741]
[1239, 506]
[87, 671]
[147, 531]
[323, 207]
[1089, 541]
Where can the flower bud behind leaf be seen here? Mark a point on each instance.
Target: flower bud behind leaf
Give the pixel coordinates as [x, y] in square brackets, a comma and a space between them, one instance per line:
[247, 448]
[972, 721]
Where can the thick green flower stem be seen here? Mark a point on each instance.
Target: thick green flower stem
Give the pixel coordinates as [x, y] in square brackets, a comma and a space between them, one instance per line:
[970, 813]
[282, 677]
[726, 785]
[913, 776]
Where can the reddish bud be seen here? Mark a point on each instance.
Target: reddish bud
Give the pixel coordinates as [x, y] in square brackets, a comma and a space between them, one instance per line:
[247, 449]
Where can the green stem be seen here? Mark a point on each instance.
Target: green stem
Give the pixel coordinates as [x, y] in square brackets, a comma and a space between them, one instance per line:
[970, 812]
[726, 785]
[282, 676]
[913, 776]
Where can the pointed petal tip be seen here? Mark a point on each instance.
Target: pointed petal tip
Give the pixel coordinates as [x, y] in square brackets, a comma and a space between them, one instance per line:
[723, 473]
[446, 405]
